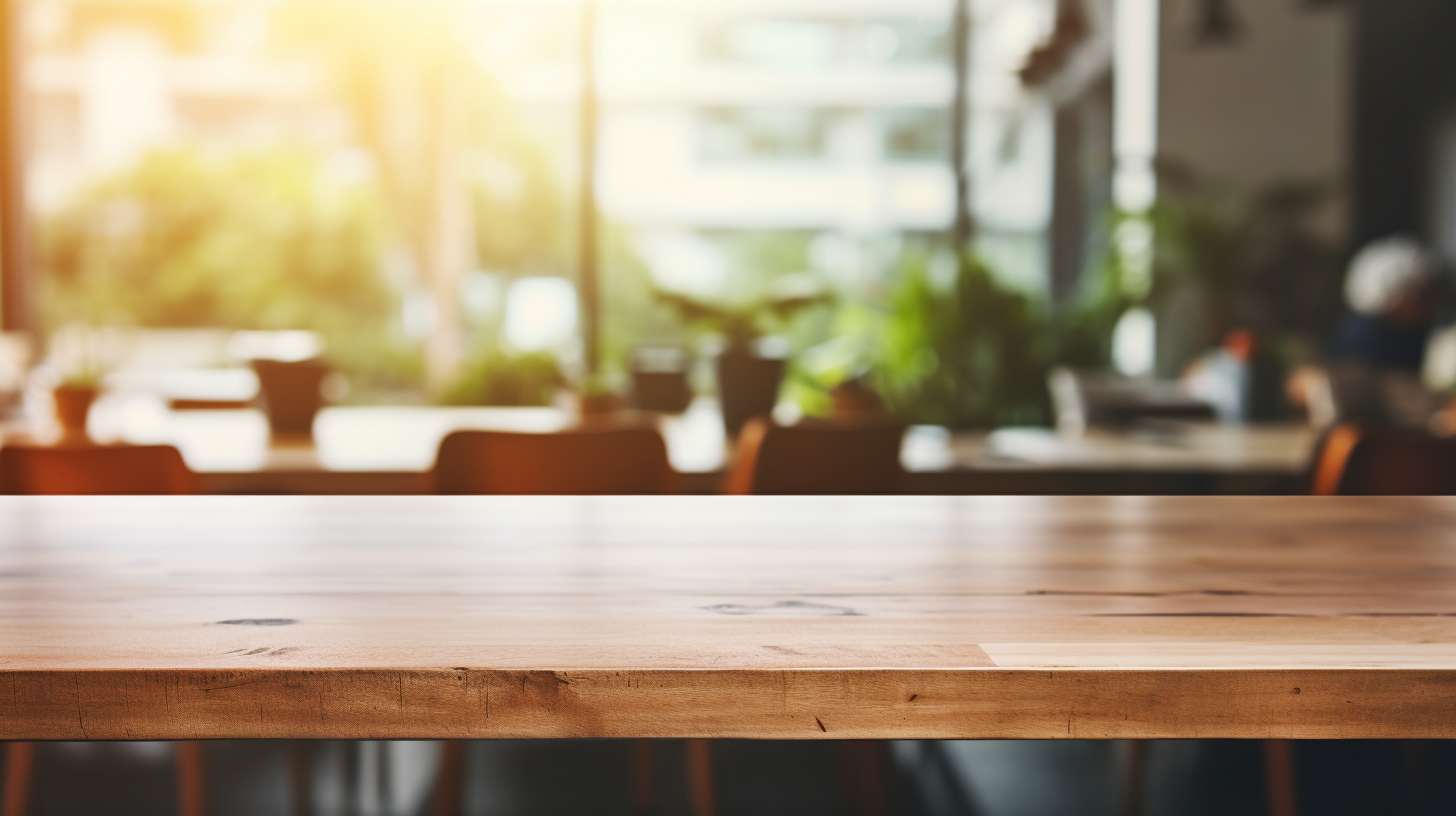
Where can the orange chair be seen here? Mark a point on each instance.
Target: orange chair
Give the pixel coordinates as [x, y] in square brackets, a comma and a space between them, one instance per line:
[844, 459]
[578, 462]
[1362, 460]
[1355, 459]
[96, 470]
[92, 470]
[581, 462]
[823, 460]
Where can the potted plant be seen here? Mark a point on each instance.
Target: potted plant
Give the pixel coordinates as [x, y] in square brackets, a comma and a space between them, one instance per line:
[73, 398]
[292, 394]
[748, 381]
[80, 357]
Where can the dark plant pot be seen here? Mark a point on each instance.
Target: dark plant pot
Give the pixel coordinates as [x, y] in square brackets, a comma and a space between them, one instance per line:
[73, 406]
[748, 386]
[664, 391]
[660, 379]
[292, 394]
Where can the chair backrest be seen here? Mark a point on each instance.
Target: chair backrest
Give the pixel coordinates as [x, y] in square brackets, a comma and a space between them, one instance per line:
[86, 470]
[817, 460]
[582, 462]
[1360, 460]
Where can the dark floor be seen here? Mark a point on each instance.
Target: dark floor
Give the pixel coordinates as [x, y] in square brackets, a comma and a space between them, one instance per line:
[759, 778]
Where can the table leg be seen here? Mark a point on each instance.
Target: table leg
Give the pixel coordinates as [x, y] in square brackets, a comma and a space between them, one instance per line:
[640, 756]
[368, 782]
[349, 776]
[450, 782]
[384, 780]
[190, 793]
[19, 765]
[1134, 777]
[1279, 777]
[1415, 763]
[702, 797]
[862, 776]
[300, 772]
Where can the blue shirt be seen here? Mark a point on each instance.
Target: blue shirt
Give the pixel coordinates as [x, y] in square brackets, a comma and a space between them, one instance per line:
[1376, 343]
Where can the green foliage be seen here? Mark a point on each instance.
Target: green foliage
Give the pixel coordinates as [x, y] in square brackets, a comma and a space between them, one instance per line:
[971, 353]
[765, 290]
[959, 348]
[741, 323]
[856, 330]
[494, 377]
[263, 240]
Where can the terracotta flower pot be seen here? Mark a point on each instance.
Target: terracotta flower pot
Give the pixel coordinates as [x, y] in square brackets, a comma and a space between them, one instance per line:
[73, 406]
[292, 394]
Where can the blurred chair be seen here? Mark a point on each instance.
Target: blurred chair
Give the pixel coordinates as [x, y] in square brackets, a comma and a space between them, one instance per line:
[585, 462]
[1355, 459]
[847, 459]
[96, 470]
[93, 470]
[815, 459]
[578, 462]
[1358, 459]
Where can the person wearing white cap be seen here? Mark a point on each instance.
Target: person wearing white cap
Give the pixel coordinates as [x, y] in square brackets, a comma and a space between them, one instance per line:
[1393, 290]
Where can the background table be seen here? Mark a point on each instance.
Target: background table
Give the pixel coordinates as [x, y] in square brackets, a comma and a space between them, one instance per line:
[389, 449]
[760, 617]
[1163, 458]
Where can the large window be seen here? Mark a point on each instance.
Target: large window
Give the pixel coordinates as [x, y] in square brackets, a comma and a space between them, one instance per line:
[911, 41]
[399, 176]
[775, 42]
[737, 134]
[915, 134]
[348, 168]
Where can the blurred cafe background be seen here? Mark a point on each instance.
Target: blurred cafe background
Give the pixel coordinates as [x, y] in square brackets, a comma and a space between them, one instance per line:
[1051, 237]
[817, 246]
[1021, 214]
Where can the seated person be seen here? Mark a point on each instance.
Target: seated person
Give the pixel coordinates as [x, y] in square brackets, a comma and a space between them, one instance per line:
[1394, 290]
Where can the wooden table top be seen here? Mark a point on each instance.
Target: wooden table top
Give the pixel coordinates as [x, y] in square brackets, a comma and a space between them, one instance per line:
[759, 617]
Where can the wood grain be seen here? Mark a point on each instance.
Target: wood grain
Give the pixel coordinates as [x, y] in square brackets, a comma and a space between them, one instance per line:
[763, 617]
